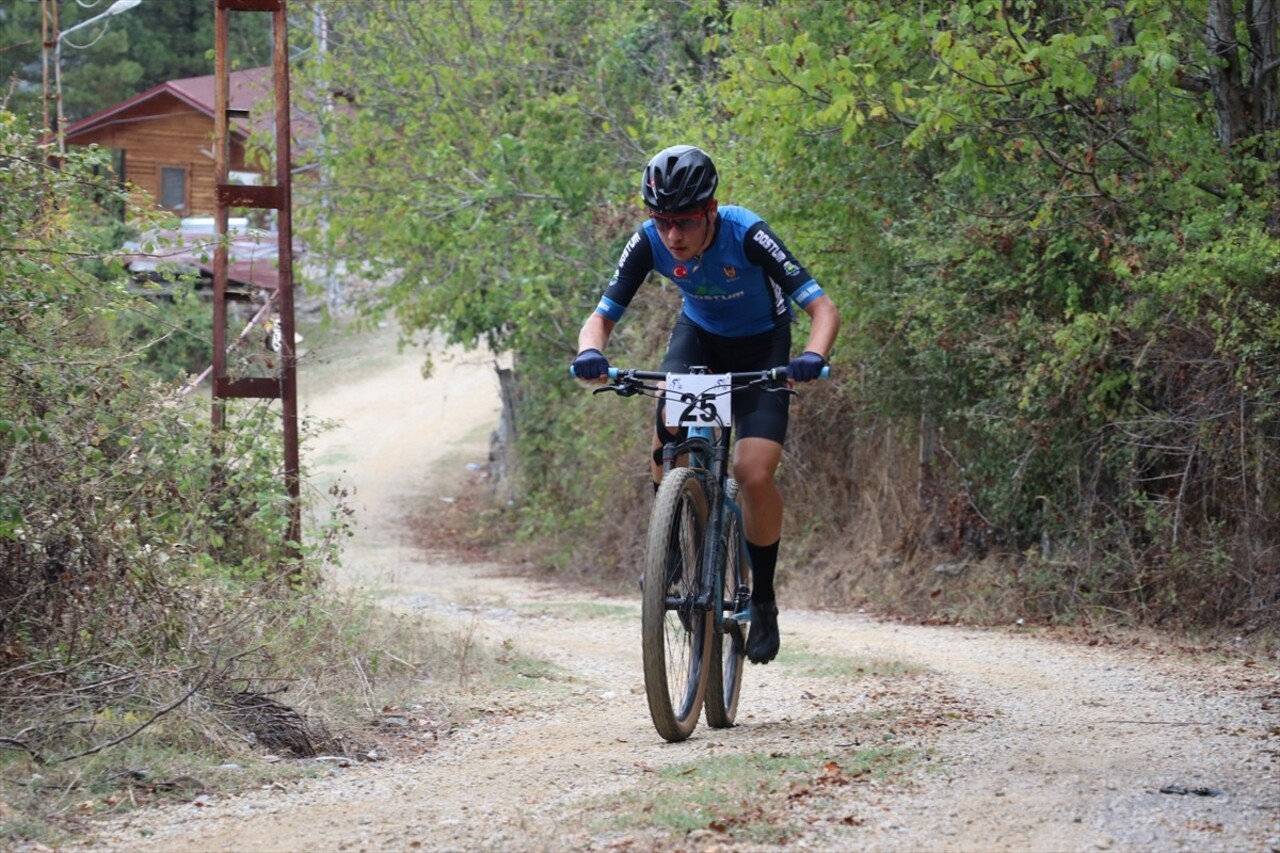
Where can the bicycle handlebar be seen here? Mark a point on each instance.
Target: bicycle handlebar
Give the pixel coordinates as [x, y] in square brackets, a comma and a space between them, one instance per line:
[773, 374]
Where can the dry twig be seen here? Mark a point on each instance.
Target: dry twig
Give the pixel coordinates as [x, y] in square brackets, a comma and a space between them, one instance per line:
[157, 715]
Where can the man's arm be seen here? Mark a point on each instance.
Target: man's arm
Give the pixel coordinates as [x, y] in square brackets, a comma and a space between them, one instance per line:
[595, 332]
[824, 327]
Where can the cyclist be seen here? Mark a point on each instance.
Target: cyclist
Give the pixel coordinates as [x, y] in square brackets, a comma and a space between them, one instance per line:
[735, 277]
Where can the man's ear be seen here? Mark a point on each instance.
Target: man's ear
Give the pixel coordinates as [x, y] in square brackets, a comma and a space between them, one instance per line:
[712, 207]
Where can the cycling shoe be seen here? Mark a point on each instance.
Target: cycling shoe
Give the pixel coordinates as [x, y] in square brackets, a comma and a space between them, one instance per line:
[763, 640]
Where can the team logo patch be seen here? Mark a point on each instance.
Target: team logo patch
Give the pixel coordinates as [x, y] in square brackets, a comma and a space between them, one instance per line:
[681, 271]
[730, 272]
[791, 268]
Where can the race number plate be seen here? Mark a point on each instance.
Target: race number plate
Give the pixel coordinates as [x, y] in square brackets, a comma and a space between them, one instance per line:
[698, 400]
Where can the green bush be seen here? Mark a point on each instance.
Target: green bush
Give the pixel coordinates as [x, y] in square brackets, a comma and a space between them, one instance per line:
[138, 567]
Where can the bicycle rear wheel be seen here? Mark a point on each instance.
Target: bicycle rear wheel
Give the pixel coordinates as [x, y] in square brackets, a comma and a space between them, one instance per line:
[729, 649]
[675, 633]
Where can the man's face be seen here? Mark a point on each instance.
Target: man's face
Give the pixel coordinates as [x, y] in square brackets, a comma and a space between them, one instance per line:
[688, 234]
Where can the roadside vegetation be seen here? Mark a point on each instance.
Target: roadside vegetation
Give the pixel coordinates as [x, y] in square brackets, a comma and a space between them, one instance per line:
[1051, 227]
[158, 637]
[706, 800]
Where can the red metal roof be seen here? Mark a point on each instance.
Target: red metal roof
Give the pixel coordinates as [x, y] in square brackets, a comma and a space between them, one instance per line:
[250, 90]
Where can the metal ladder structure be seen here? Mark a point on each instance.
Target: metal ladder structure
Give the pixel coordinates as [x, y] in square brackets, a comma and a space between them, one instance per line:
[276, 197]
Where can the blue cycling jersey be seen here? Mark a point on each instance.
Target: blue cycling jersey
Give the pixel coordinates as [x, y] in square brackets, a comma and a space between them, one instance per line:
[737, 287]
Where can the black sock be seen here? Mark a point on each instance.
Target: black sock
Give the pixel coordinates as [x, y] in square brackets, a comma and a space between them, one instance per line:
[764, 560]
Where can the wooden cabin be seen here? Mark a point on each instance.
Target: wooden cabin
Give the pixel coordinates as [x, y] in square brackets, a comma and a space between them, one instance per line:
[162, 140]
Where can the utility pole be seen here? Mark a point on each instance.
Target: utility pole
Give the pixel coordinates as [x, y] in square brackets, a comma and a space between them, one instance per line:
[278, 197]
[48, 39]
[332, 287]
[114, 9]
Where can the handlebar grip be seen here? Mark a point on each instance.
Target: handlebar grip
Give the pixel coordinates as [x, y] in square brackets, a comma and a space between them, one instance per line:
[779, 373]
[613, 373]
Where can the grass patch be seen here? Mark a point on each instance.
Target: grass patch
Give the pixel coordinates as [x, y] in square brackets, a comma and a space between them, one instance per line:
[582, 610]
[807, 662]
[704, 794]
[45, 804]
[753, 798]
[510, 668]
[329, 668]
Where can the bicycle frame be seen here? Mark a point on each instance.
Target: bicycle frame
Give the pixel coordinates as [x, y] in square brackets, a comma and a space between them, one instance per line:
[704, 446]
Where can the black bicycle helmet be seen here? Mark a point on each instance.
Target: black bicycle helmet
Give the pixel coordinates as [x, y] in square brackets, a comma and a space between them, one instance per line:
[679, 179]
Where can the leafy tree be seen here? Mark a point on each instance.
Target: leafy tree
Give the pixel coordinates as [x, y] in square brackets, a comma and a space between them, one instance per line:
[120, 56]
[1051, 180]
[1050, 223]
[456, 146]
[486, 173]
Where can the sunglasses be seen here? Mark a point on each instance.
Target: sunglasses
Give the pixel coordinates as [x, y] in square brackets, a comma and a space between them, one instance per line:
[680, 223]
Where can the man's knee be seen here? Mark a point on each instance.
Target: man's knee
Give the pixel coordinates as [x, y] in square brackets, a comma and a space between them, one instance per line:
[753, 475]
[755, 463]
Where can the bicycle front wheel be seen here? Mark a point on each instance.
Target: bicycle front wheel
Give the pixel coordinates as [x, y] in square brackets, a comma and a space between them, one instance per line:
[675, 632]
[729, 649]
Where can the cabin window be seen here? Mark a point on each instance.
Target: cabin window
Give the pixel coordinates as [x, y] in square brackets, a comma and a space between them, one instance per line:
[173, 187]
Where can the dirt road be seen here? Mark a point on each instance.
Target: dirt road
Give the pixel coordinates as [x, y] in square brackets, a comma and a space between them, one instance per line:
[862, 736]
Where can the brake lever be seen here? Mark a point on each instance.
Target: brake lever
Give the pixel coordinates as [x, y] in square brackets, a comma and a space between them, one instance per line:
[630, 389]
[622, 388]
[773, 386]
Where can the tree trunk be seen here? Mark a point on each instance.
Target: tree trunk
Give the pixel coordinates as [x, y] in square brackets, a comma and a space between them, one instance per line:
[1265, 59]
[1226, 78]
[1261, 24]
[502, 441]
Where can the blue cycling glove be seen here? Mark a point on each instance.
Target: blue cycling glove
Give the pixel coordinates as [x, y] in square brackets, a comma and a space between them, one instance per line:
[806, 367]
[590, 364]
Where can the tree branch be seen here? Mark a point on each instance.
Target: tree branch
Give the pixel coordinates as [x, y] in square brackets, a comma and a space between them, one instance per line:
[157, 715]
[14, 743]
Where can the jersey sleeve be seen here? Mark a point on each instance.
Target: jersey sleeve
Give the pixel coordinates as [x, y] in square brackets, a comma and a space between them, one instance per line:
[766, 249]
[634, 265]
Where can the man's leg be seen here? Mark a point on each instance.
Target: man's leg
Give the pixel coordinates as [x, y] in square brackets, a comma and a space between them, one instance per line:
[683, 349]
[755, 463]
[660, 435]
[663, 434]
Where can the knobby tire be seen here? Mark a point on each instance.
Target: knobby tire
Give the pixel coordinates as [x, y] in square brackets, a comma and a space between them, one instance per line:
[676, 637]
[728, 649]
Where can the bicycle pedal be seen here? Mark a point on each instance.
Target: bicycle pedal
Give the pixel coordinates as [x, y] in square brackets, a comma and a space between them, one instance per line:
[741, 616]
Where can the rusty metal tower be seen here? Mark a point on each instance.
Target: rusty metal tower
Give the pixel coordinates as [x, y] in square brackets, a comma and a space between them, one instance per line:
[275, 197]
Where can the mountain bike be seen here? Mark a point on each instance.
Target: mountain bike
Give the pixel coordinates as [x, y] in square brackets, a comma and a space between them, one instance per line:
[696, 586]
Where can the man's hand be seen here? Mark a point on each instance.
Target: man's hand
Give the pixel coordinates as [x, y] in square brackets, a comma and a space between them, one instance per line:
[805, 367]
[590, 364]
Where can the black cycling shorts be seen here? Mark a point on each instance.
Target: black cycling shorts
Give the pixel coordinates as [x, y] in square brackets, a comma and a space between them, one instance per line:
[756, 413]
